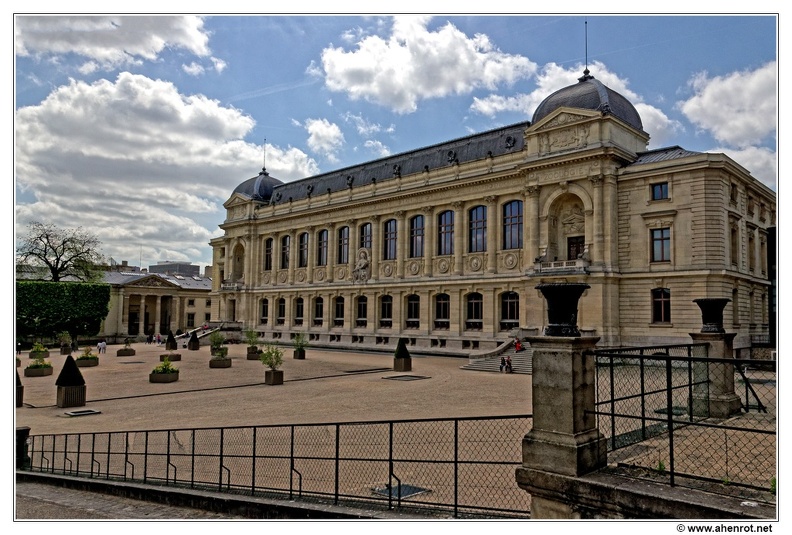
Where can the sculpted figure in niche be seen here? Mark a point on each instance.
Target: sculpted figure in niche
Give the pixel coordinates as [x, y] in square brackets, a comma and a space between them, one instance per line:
[361, 271]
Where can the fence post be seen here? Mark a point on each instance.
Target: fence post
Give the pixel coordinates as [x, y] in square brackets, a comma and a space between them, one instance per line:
[22, 459]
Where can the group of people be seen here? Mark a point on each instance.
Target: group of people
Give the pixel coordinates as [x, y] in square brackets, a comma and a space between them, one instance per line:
[150, 339]
[506, 364]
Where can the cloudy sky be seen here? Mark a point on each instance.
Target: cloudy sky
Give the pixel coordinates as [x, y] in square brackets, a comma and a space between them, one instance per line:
[138, 128]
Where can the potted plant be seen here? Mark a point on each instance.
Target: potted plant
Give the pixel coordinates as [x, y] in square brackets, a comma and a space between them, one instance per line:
[251, 337]
[170, 345]
[87, 359]
[300, 342]
[39, 351]
[402, 361]
[216, 348]
[127, 350]
[65, 340]
[38, 368]
[165, 372]
[272, 357]
[220, 361]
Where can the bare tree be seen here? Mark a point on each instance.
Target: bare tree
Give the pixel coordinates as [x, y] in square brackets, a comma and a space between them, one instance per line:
[72, 253]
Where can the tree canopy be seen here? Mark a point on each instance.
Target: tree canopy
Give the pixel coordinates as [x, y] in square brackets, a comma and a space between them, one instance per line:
[72, 253]
[44, 308]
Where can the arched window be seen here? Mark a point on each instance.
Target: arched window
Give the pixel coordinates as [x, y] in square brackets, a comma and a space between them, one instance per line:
[303, 243]
[475, 312]
[512, 225]
[338, 312]
[321, 248]
[510, 311]
[265, 311]
[389, 241]
[442, 317]
[281, 319]
[416, 236]
[343, 245]
[477, 242]
[445, 233]
[365, 235]
[413, 312]
[318, 315]
[299, 311]
[268, 254]
[361, 319]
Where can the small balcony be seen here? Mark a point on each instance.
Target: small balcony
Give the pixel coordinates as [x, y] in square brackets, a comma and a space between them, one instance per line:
[562, 267]
[228, 286]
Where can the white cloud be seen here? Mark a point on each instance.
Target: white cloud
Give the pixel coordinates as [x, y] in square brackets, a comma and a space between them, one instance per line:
[761, 162]
[219, 65]
[109, 41]
[193, 69]
[363, 126]
[377, 148]
[139, 163]
[324, 138]
[414, 63]
[738, 109]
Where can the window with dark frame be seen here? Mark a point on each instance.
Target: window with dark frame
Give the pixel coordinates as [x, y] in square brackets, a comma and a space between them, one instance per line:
[281, 319]
[338, 317]
[362, 311]
[661, 244]
[342, 255]
[190, 319]
[475, 312]
[386, 311]
[365, 235]
[510, 311]
[661, 305]
[285, 245]
[660, 191]
[265, 311]
[442, 319]
[321, 248]
[299, 311]
[445, 233]
[512, 225]
[477, 242]
[389, 241]
[416, 236]
[303, 250]
[413, 320]
[318, 312]
[268, 254]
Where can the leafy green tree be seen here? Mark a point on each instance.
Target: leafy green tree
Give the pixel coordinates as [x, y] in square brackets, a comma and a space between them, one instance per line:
[64, 253]
[44, 308]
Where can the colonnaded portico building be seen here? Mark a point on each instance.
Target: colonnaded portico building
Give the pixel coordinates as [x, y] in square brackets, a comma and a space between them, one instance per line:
[444, 245]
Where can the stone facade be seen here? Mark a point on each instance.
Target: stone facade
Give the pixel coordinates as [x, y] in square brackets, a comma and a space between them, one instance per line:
[445, 245]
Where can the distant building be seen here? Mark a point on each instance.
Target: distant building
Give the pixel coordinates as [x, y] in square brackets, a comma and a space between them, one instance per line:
[175, 268]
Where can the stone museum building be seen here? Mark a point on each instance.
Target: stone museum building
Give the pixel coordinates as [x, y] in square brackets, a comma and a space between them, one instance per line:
[445, 245]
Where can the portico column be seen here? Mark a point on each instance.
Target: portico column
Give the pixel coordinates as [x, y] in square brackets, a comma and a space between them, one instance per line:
[493, 228]
[158, 315]
[276, 260]
[402, 237]
[353, 244]
[123, 311]
[459, 236]
[142, 315]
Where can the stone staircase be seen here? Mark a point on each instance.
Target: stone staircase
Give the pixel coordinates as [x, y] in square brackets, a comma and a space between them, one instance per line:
[522, 362]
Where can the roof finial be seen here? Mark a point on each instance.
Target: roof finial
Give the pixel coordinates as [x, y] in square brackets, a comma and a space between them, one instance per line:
[586, 75]
[264, 159]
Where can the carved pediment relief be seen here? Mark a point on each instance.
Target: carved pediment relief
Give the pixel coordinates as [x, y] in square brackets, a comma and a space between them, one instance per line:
[152, 281]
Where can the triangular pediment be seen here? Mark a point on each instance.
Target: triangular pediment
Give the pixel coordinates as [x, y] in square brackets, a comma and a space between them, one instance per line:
[562, 118]
[236, 199]
[152, 281]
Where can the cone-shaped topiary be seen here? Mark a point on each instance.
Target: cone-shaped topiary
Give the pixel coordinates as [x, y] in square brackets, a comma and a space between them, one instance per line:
[70, 374]
[401, 349]
[193, 344]
[170, 343]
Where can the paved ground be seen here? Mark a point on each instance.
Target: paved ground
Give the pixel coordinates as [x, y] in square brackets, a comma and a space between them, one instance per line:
[328, 386]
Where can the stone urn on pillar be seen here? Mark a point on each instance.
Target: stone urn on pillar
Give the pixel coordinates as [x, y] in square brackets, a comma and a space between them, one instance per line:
[562, 306]
[712, 313]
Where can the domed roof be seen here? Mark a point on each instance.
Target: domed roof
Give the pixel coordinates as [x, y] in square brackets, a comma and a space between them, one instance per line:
[259, 188]
[590, 94]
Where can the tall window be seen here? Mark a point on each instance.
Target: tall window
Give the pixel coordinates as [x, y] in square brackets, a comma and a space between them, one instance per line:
[303, 260]
[362, 312]
[265, 311]
[338, 316]
[389, 242]
[285, 244]
[475, 312]
[318, 312]
[660, 191]
[321, 248]
[661, 245]
[343, 245]
[661, 305]
[413, 312]
[191, 319]
[478, 229]
[751, 251]
[445, 233]
[510, 311]
[268, 255]
[386, 311]
[416, 236]
[299, 311]
[442, 311]
[512, 225]
[281, 319]
[365, 235]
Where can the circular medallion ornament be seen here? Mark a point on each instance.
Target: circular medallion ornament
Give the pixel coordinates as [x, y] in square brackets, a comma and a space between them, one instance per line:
[442, 266]
[266, 278]
[300, 276]
[282, 278]
[414, 267]
[509, 260]
[475, 263]
[341, 273]
[320, 275]
[387, 270]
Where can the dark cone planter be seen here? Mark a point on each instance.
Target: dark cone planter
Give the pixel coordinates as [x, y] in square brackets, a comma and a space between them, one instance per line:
[173, 357]
[299, 354]
[194, 344]
[39, 354]
[562, 306]
[38, 372]
[712, 314]
[402, 364]
[163, 377]
[86, 363]
[71, 396]
[125, 352]
[220, 363]
[273, 377]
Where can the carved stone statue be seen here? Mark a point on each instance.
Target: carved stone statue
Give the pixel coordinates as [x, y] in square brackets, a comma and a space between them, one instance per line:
[361, 271]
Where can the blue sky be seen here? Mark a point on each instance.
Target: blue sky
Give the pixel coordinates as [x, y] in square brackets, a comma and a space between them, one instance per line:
[138, 128]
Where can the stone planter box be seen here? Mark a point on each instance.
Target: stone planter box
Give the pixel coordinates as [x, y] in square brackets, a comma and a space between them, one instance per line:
[173, 357]
[71, 396]
[273, 377]
[219, 352]
[39, 354]
[86, 363]
[299, 354]
[220, 363]
[65, 350]
[163, 377]
[38, 372]
[252, 355]
[402, 364]
[125, 352]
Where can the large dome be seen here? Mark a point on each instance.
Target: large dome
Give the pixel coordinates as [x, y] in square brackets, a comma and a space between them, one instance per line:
[259, 188]
[590, 94]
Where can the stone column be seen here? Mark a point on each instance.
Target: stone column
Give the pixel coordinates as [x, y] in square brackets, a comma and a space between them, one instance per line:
[311, 255]
[459, 235]
[142, 316]
[376, 247]
[353, 245]
[429, 237]
[158, 315]
[531, 226]
[293, 250]
[402, 237]
[493, 230]
[123, 312]
[599, 240]
[564, 439]
[332, 247]
[714, 395]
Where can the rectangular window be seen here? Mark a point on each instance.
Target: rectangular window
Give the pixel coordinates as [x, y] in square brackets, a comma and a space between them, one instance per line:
[661, 245]
[478, 230]
[365, 235]
[207, 317]
[660, 191]
[362, 312]
[208, 303]
[268, 255]
[475, 312]
[442, 312]
[661, 305]
[298, 311]
[389, 242]
[321, 248]
[281, 319]
[191, 302]
[343, 245]
[413, 312]
[303, 260]
[318, 312]
[386, 312]
[265, 311]
[416, 236]
[445, 233]
[190, 319]
[510, 311]
[512, 225]
[285, 244]
[338, 319]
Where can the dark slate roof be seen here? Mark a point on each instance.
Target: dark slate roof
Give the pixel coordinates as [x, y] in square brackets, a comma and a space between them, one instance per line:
[121, 278]
[590, 94]
[662, 155]
[507, 139]
[259, 188]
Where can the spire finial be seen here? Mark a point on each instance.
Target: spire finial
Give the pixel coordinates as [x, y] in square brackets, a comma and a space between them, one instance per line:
[264, 159]
[586, 75]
